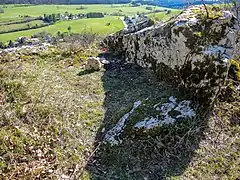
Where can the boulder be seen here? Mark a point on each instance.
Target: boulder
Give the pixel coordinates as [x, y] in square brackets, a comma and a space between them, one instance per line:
[191, 50]
[93, 63]
[106, 63]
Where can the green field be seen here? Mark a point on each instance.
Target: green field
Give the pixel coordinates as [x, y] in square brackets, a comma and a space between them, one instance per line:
[4, 28]
[12, 12]
[163, 16]
[97, 25]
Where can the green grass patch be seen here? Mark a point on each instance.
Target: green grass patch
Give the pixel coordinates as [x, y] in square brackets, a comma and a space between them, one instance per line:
[94, 25]
[12, 12]
[11, 27]
[163, 16]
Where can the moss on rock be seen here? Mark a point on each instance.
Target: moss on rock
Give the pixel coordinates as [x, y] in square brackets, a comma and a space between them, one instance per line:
[234, 70]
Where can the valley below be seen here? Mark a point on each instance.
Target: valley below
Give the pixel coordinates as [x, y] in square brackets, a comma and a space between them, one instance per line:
[139, 93]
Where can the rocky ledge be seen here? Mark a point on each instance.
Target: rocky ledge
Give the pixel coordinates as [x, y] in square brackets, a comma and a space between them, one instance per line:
[191, 50]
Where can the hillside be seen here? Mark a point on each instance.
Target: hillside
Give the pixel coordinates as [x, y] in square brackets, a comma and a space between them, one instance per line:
[151, 101]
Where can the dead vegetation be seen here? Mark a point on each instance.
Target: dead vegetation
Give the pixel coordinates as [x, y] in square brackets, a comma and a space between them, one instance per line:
[48, 113]
[53, 118]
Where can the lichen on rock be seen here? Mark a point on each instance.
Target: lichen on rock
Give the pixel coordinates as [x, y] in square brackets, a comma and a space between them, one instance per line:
[93, 63]
[234, 70]
[112, 135]
[169, 113]
[190, 49]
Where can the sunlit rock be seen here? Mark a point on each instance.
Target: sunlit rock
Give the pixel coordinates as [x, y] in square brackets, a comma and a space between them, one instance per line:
[169, 113]
[93, 63]
[189, 50]
[112, 135]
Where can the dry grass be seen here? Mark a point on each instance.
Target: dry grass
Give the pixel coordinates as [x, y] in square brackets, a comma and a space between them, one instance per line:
[48, 115]
[52, 118]
[219, 152]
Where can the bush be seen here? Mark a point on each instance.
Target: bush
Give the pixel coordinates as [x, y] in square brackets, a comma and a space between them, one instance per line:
[10, 44]
[41, 34]
[168, 12]
[149, 8]
[116, 14]
[134, 4]
[95, 15]
[81, 7]
[234, 70]
[1, 10]
[2, 45]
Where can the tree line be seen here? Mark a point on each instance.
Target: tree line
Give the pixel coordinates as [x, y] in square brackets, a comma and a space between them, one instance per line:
[63, 1]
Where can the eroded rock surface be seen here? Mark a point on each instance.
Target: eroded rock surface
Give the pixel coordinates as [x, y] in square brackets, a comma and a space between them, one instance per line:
[157, 116]
[112, 135]
[169, 113]
[190, 49]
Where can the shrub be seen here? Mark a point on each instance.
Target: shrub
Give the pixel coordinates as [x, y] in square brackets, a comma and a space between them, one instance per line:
[81, 7]
[116, 14]
[69, 29]
[168, 12]
[234, 70]
[2, 45]
[95, 15]
[149, 8]
[41, 34]
[10, 44]
[1, 10]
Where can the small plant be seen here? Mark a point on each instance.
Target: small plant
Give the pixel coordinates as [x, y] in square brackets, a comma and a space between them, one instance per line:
[234, 70]
[168, 12]
[199, 34]
[149, 8]
[69, 29]
[1, 10]
[10, 44]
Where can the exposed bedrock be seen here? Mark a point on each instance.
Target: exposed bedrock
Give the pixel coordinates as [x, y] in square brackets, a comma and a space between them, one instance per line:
[191, 49]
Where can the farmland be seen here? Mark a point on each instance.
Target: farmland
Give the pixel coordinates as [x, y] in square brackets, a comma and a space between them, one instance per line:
[5, 28]
[78, 26]
[11, 12]
[113, 14]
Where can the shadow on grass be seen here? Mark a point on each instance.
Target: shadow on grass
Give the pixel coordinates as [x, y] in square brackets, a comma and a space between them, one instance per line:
[85, 72]
[166, 153]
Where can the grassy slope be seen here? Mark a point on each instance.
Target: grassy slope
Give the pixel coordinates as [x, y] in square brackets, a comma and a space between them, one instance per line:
[49, 106]
[51, 115]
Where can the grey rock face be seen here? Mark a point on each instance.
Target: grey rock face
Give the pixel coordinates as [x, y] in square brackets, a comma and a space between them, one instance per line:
[190, 49]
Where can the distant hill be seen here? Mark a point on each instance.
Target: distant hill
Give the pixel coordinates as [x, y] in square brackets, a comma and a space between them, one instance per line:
[167, 3]
[176, 3]
[64, 1]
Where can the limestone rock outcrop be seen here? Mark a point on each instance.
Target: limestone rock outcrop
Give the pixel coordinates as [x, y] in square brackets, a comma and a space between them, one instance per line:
[191, 49]
[93, 63]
